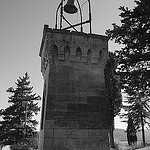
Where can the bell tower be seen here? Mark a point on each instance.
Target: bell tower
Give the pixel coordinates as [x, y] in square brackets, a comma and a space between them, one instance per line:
[74, 110]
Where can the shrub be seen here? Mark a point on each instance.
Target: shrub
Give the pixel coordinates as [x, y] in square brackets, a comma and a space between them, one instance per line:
[20, 147]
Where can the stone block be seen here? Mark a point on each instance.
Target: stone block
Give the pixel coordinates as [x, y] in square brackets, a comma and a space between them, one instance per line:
[65, 98]
[79, 133]
[54, 115]
[61, 55]
[48, 143]
[59, 144]
[72, 58]
[49, 124]
[60, 106]
[48, 134]
[60, 123]
[72, 124]
[96, 148]
[84, 58]
[71, 144]
[93, 143]
[100, 134]
[51, 97]
[82, 143]
[62, 133]
[94, 61]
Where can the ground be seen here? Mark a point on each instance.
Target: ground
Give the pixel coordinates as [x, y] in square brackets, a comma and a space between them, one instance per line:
[146, 148]
[123, 145]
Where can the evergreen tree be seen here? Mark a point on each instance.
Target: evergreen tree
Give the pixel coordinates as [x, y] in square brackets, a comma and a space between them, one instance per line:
[113, 92]
[137, 107]
[134, 58]
[17, 124]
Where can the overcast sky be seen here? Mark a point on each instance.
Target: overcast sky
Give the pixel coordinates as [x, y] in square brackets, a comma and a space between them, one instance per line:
[21, 27]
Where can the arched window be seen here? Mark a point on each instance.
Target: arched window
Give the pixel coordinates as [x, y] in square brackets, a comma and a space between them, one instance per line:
[100, 56]
[89, 56]
[78, 54]
[55, 54]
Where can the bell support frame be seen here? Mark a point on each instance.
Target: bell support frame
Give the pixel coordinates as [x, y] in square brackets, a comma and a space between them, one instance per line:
[62, 17]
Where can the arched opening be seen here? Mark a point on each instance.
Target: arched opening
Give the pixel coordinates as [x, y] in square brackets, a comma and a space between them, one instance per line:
[55, 54]
[89, 56]
[67, 53]
[78, 54]
[100, 56]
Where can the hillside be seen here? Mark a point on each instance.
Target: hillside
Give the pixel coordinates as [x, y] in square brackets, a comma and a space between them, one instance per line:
[120, 134]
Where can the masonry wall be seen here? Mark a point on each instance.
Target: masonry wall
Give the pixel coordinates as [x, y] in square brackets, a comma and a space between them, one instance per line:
[74, 111]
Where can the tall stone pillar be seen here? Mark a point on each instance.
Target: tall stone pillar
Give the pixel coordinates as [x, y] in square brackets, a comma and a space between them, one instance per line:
[74, 112]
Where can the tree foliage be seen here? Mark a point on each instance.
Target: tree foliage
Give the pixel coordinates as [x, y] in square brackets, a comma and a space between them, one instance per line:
[112, 85]
[137, 106]
[17, 124]
[113, 93]
[134, 59]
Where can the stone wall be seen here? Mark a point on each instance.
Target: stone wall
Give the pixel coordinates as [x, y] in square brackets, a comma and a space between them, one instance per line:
[74, 112]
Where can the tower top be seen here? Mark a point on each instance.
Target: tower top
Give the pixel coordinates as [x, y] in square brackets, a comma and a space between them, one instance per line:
[65, 34]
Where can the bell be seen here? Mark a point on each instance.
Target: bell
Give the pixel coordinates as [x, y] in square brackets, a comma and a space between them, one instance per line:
[70, 8]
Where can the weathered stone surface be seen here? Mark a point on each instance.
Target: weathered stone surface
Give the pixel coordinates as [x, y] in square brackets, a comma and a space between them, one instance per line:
[74, 111]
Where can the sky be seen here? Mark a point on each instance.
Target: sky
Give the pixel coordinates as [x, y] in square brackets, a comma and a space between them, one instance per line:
[21, 29]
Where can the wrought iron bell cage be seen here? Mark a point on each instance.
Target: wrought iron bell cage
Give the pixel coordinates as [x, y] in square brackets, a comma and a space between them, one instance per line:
[70, 8]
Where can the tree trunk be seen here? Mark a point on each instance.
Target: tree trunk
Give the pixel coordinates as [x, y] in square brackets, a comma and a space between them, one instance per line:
[143, 132]
[111, 134]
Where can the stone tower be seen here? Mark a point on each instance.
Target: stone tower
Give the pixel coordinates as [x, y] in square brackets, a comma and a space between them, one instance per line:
[74, 112]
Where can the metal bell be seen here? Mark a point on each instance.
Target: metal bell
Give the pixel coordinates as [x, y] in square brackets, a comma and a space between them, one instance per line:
[70, 8]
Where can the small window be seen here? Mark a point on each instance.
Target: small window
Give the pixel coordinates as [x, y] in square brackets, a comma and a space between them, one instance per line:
[78, 55]
[89, 56]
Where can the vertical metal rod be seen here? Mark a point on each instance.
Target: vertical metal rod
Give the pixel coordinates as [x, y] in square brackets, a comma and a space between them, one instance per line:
[80, 15]
[61, 14]
[90, 18]
[57, 15]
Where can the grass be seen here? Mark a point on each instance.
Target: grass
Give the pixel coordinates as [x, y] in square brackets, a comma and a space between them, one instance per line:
[119, 145]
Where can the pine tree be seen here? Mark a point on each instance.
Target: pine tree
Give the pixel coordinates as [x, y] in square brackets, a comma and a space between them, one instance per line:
[137, 107]
[134, 58]
[17, 124]
[113, 92]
